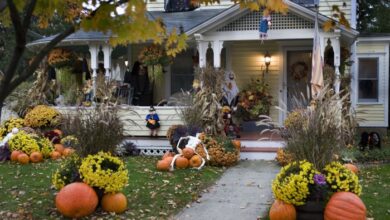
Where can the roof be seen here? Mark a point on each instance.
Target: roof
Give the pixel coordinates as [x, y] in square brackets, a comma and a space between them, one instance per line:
[186, 20]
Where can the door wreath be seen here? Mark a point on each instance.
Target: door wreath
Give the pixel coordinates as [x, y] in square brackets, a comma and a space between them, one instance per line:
[299, 70]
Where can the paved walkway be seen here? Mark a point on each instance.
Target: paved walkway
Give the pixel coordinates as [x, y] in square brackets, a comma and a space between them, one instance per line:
[243, 192]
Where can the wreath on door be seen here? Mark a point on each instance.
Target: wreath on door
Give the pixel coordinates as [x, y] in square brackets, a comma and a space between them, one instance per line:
[299, 70]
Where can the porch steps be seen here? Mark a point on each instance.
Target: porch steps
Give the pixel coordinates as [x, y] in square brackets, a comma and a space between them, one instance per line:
[250, 150]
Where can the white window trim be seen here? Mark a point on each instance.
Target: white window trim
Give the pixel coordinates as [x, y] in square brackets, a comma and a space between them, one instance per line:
[381, 77]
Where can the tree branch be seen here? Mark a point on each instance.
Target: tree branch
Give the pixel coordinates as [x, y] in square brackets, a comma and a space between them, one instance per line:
[17, 23]
[3, 5]
[28, 12]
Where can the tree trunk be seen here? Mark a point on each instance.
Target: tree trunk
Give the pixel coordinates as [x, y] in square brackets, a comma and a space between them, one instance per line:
[1, 109]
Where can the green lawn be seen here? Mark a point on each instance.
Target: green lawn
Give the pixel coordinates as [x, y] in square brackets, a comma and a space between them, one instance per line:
[376, 191]
[26, 193]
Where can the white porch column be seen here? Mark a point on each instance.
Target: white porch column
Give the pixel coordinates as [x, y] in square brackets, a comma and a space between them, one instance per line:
[94, 51]
[217, 49]
[336, 49]
[202, 49]
[107, 60]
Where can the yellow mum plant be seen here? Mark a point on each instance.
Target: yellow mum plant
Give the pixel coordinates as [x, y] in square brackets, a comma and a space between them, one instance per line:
[42, 116]
[13, 123]
[104, 171]
[23, 142]
[45, 146]
[341, 179]
[3, 132]
[69, 141]
[67, 173]
[291, 185]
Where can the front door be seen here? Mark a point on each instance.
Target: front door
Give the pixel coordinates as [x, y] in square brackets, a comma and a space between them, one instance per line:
[298, 73]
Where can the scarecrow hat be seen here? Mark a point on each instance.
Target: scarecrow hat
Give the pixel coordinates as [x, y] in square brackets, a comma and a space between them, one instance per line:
[151, 109]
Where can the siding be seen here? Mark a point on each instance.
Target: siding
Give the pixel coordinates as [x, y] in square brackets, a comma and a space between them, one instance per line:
[325, 8]
[247, 57]
[371, 115]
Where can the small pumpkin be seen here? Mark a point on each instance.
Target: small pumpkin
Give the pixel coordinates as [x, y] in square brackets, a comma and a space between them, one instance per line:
[168, 154]
[55, 155]
[351, 167]
[163, 165]
[345, 205]
[23, 158]
[181, 162]
[195, 161]
[36, 157]
[282, 211]
[188, 152]
[114, 202]
[58, 132]
[67, 151]
[76, 200]
[14, 155]
[236, 144]
[59, 148]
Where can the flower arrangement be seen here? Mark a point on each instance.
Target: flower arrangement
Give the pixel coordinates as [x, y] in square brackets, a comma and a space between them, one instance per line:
[291, 185]
[67, 173]
[283, 157]
[153, 55]
[69, 141]
[23, 142]
[45, 146]
[42, 116]
[3, 132]
[13, 123]
[60, 57]
[221, 150]
[340, 178]
[104, 171]
[255, 100]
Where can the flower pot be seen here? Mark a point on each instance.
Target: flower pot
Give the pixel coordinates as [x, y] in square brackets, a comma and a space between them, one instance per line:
[312, 210]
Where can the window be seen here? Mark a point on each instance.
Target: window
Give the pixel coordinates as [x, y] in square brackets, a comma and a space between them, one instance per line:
[368, 79]
[182, 72]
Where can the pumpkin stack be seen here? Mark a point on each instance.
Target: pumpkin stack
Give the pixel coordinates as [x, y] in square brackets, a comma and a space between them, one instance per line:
[187, 158]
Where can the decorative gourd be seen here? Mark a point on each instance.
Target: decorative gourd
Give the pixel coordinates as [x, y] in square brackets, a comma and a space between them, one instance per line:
[163, 165]
[195, 161]
[345, 205]
[67, 151]
[351, 167]
[59, 148]
[114, 202]
[76, 200]
[14, 155]
[236, 144]
[188, 152]
[23, 158]
[36, 157]
[167, 154]
[181, 162]
[282, 211]
[55, 155]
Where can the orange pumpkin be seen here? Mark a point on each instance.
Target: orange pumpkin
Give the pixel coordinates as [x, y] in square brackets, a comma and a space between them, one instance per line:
[114, 202]
[55, 155]
[67, 151]
[14, 155]
[282, 211]
[236, 144]
[23, 158]
[36, 157]
[345, 205]
[59, 148]
[168, 154]
[351, 167]
[76, 200]
[195, 161]
[181, 162]
[188, 152]
[163, 165]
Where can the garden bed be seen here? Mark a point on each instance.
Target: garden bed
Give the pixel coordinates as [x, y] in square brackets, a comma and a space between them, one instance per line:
[27, 193]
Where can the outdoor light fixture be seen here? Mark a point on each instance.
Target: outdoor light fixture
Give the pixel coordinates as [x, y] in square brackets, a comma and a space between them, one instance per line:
[126, 63]
[267, 60]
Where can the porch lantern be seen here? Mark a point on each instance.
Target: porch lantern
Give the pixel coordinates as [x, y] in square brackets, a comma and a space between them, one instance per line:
[267, 61]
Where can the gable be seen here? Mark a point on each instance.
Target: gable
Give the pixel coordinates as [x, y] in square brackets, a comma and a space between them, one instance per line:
[250, 22]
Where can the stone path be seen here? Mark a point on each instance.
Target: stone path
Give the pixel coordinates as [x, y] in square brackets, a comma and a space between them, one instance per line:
[243, 192]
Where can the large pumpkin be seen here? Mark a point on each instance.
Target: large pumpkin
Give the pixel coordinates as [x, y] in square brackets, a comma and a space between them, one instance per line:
[345, 205]
[59, 148]
[23, 158]
[282, 211]
[351, 167]
[168, 154]
[36, 157]
[163, 165]
[76, 200]
[195, 161]
[169, 159]
[188, 152]
[181, 162]
[114, 202]
[55, 155]
[14, 155]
